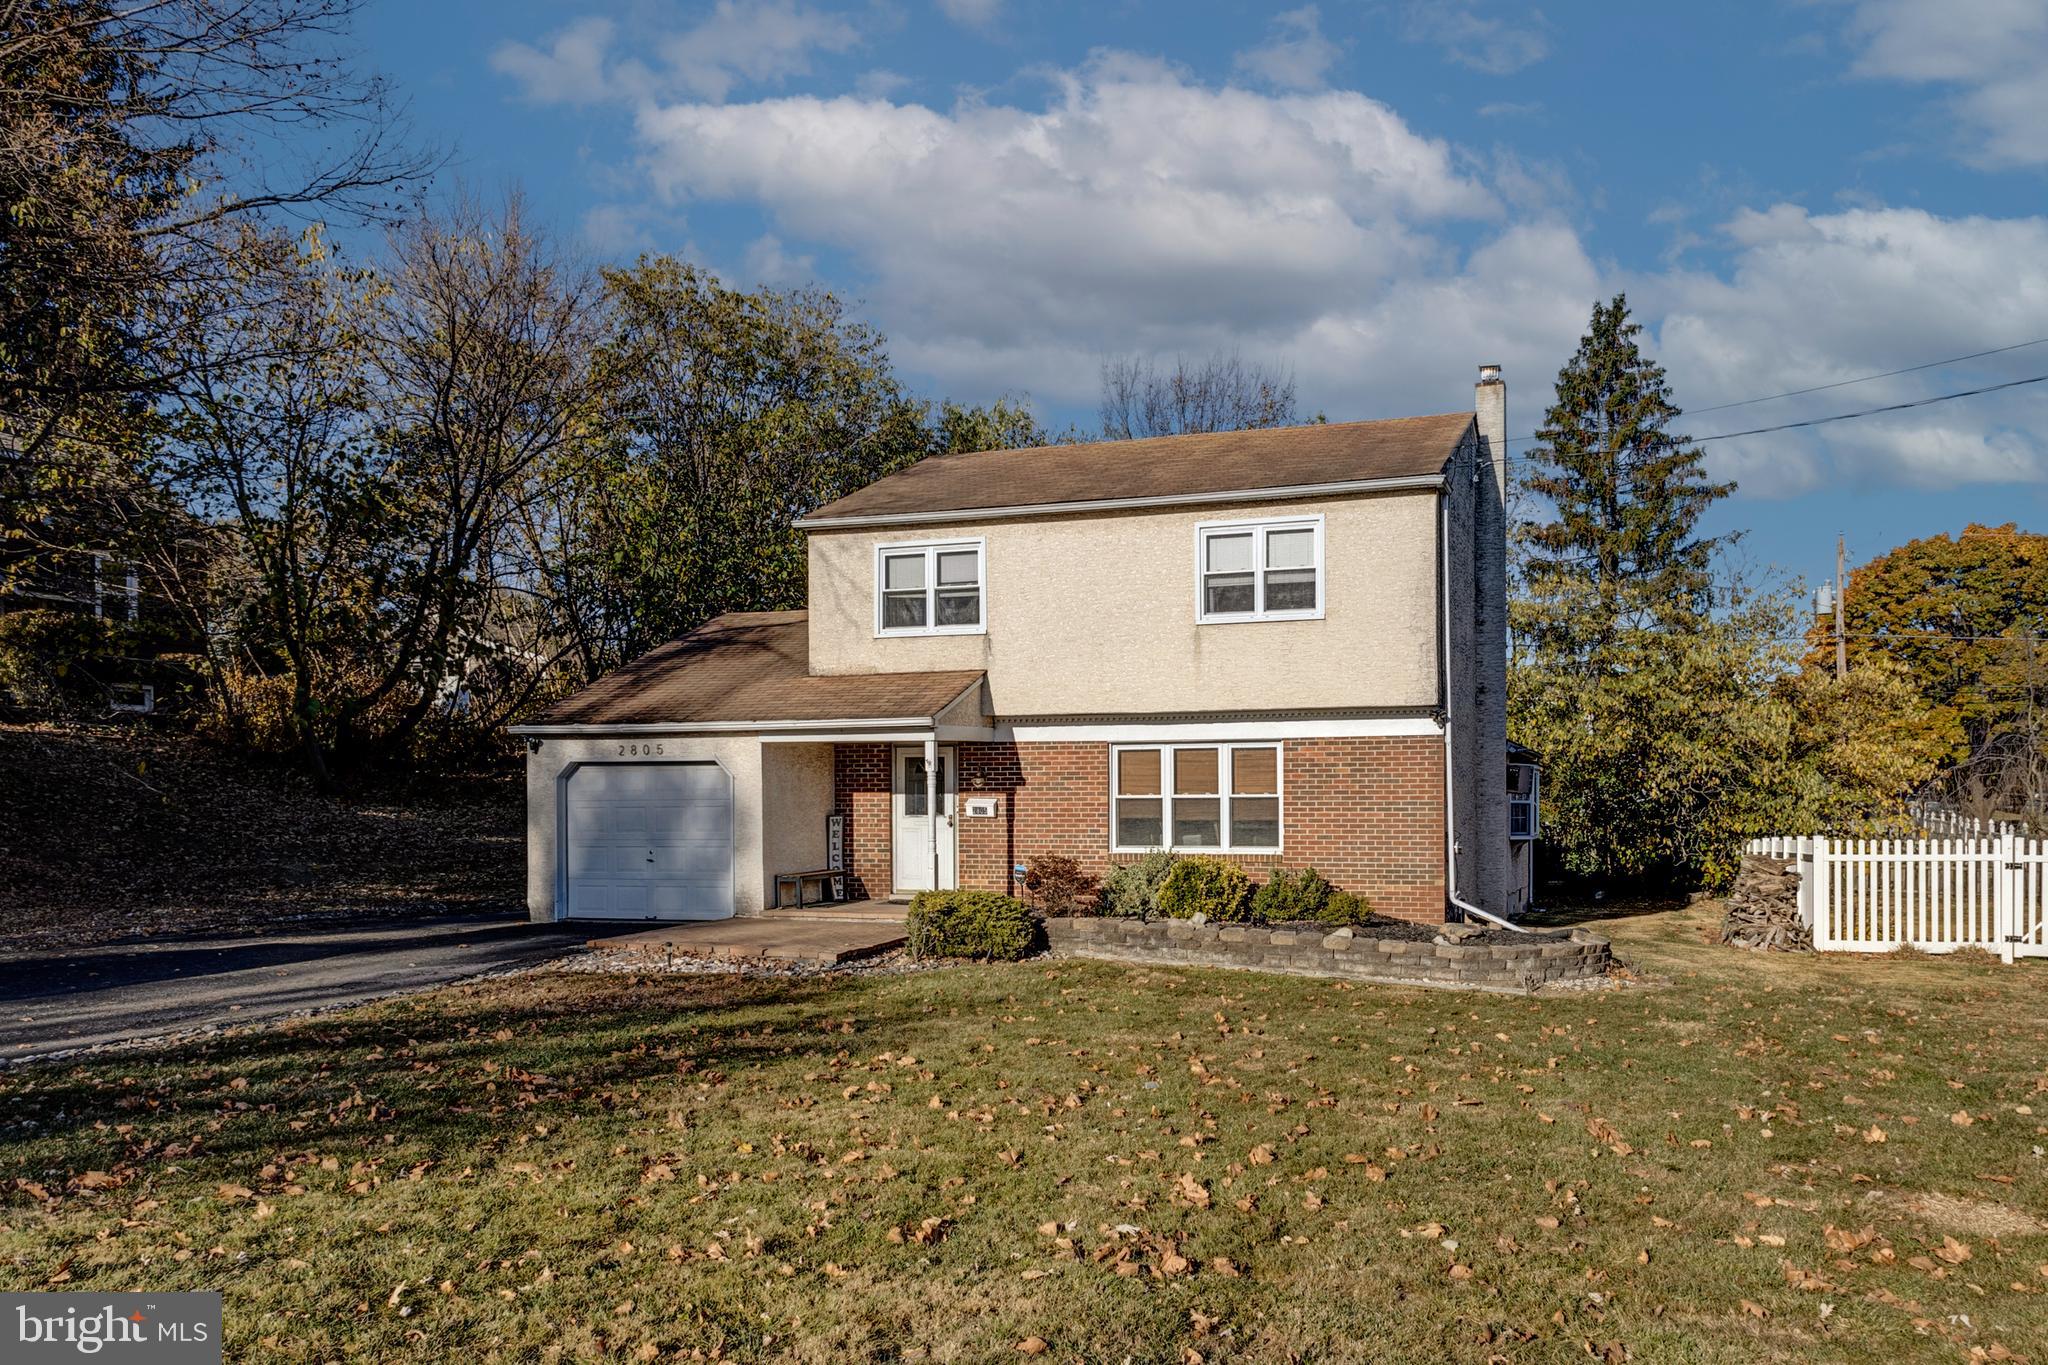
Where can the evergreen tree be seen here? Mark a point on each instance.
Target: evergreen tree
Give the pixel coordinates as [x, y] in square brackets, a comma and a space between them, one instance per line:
[1625, 494]
[1643, 701]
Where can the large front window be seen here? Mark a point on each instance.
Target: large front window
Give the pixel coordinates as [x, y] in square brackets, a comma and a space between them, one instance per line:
[1259, 570]
[931, 589]
[1222, 797]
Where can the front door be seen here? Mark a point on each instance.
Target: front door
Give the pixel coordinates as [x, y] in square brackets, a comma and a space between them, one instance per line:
[912, 824]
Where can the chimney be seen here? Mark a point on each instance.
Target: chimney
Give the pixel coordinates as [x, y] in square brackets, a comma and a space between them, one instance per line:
[1490, 405]
[1488, 727]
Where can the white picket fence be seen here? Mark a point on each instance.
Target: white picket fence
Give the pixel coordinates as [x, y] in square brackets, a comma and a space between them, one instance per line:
[1940, 822]
[1938, 895]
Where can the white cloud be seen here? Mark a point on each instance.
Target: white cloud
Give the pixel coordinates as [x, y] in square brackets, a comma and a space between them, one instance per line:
[1819, 298]
[1472, 38]
[1012, 246]
[617, 230]
[571, 69]
[769, 262]
[973, 13]
[1135, 208]
[880, 83]
[1993, 53]
[740, 42]
[1297, 56]
[767, 41]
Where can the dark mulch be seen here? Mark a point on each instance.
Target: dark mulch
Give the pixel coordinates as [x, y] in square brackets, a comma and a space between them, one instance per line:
[112, 832]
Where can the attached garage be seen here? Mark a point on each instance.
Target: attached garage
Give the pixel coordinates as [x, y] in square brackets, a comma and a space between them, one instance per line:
[647, 841]
[680, 786]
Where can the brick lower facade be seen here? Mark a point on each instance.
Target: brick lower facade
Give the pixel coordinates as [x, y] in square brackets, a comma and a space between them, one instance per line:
[1367, 813]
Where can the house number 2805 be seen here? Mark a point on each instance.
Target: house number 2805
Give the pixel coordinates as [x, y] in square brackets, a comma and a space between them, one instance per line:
[638, 750]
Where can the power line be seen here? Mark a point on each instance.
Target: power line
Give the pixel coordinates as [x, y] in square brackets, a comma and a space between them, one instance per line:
[1847, 416]
[1867, 378]
[1845, 383]
[1872, 412]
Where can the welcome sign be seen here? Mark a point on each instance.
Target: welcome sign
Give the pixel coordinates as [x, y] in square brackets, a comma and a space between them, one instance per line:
[161, 1329]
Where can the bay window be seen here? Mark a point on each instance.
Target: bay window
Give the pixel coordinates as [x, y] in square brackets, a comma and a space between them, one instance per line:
[1216, 797]
[1259, 570]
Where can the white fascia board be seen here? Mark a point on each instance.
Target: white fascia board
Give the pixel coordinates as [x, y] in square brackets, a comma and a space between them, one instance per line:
[1178, 731]
[849, 729]
[803, 728]
[1054, 509]
[849, 736]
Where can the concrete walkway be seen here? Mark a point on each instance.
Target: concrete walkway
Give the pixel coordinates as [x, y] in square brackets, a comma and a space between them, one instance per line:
[814, 934]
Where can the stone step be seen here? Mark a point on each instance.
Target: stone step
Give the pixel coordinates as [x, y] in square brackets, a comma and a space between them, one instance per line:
[758, 936]
[859, 912]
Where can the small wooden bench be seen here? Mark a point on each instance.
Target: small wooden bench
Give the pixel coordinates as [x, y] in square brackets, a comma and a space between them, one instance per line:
[796, 882]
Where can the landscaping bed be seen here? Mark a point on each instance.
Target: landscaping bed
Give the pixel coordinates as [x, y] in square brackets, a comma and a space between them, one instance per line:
[1379, 926]
[1459, 956]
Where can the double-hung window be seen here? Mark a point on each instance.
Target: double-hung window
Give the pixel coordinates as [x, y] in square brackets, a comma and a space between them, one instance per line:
[1259, 570]
[1223, 797]
[933, 589]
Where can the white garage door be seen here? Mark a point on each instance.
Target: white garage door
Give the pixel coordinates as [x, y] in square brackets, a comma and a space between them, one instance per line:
[648, 841]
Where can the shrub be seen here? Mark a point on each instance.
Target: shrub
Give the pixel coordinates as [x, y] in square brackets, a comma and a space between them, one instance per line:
[1207, 886]
[1058, 886]
[57, 662]
[984, 924]
[1342, 907]
[1131, 890]
[1291, 896]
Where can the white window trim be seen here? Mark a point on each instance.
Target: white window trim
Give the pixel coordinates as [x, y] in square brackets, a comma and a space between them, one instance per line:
[931, 549]
[1226, 760]
[1258, 526]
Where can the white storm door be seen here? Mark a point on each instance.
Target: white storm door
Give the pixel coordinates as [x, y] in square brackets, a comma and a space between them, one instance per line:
[911, 826]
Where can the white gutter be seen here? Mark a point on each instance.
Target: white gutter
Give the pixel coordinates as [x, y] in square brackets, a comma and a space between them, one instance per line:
[1052, 509]
[742, 727]
[1450, 754]
[722, 727]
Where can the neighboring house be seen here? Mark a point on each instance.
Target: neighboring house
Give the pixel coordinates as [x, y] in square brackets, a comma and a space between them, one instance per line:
[1286, 647]
[1525, 826]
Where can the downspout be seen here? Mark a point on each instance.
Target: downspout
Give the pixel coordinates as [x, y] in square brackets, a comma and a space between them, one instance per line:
[1450, 753]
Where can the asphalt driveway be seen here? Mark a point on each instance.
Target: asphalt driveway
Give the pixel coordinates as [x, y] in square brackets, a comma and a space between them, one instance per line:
[56, 1002]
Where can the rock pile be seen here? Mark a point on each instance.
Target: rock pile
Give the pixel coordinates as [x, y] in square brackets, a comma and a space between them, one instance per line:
[1763, 909]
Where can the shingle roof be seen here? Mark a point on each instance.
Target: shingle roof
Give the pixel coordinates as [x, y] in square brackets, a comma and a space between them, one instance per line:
[749, 666]
[1161, 467]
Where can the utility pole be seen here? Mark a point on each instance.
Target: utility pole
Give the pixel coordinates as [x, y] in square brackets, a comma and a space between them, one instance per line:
[1841, 641]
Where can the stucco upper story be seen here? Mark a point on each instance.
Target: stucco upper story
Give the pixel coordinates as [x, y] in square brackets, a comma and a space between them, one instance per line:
[1100, 613]
[1297, 570]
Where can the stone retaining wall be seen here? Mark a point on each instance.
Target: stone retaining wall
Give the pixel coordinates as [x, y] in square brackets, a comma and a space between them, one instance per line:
[1539, 959]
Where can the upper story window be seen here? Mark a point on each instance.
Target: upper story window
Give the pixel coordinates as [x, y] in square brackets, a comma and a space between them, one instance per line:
[1259, 570]
[930, 589]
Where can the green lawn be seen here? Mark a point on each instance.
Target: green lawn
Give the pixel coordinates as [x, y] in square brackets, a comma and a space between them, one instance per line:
[1757, 1159]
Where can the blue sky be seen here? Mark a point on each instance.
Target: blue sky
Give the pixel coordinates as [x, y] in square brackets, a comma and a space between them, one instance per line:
[1379, 196]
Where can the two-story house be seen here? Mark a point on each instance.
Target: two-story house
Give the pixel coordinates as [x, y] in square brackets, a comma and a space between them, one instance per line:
[1285, 647]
